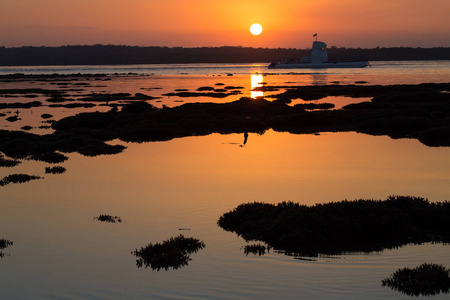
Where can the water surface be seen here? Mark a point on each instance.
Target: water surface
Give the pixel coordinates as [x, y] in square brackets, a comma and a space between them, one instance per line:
[61, 252]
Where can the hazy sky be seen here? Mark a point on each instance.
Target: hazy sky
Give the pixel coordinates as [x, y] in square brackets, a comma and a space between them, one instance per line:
[198, 23]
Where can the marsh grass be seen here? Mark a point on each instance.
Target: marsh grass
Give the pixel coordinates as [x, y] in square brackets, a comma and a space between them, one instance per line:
[173, 253]
[425, 280]
[17, 178]
[26, 127]
[4, 244]
[108, 218]
[338, 227]
[55, 170]
[256, 249]
[50, 157]
[5, 162]
[12, 119]
[46, 116]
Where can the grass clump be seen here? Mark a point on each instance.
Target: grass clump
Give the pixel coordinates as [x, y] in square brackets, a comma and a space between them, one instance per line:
[55, 170]
[108, 218]
[173, 253]
[256, 249]
[17, 178]
[4, 244]
[50, 157]
[424, 280]
[4, 162]
[337, 227]
[46, 116]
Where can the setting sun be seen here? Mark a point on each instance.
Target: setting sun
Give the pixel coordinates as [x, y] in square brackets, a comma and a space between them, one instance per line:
[256, 29]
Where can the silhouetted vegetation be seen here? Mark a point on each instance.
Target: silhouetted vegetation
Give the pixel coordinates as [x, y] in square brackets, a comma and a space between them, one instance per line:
[333, 228]
[214, 94]
[55, 170]
[46, 116]
[173, 253]
[17, 178]
[4, 162]
[20, 105]
[26, 127]
[111, 54]
[424, 280]
[50, 157]
[255, 249]
[13, 118]
[3, 245]
[108, 218]
[74, 105]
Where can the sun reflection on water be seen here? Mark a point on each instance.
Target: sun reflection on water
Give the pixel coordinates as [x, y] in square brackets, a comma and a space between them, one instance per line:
[256, 81]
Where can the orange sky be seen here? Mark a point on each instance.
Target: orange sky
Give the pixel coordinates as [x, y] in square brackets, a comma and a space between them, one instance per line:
[286, 23]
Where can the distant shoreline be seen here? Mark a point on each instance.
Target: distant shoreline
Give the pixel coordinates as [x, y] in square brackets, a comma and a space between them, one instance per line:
[125, 55]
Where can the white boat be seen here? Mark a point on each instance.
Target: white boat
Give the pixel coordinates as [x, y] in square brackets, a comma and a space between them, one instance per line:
[318, 59]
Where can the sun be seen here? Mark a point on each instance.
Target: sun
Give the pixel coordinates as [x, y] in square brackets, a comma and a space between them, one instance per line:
[256, 29]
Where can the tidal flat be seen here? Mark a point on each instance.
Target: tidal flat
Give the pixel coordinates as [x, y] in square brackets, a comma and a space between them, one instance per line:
[166, 166]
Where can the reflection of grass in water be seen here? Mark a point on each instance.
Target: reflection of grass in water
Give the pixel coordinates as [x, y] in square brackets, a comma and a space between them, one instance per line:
[173, 253]
[17, 178]
[424, 280]
[333, 228]
[108, 218]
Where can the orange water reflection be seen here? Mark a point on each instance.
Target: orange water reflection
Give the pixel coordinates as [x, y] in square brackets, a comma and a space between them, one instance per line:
[157, 188]
[256, 81]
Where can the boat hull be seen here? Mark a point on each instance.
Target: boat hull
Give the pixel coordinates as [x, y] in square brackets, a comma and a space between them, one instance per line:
[326, 65]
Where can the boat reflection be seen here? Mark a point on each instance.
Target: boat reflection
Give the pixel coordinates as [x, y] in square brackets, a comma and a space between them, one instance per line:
[256, 81]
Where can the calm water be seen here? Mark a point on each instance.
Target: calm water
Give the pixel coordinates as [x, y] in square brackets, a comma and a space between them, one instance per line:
[60, 252]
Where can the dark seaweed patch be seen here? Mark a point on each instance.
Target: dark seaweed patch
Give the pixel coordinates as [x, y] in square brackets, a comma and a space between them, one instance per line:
[108, 219]
[205, 88]
[26, 127]
[173, 253]
[4, 162]
[424, 280]
[50, 157]
[333, 228]
[13, 119]
[17, 178]
[3, 245]
[74, 105]
[255, 249]
[20, 105]
[55, 170]
[58, 99]
[199, 94]
[46, 116]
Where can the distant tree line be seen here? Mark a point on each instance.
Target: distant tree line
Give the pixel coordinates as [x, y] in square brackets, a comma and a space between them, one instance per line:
[112, 54]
